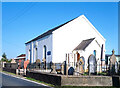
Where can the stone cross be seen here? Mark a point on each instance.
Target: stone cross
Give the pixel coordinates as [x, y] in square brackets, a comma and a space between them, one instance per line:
[81, 63]
[112, 63]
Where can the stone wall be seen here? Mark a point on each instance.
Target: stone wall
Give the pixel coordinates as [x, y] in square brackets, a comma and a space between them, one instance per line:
[63, 80]
[86, 80]
[10, 70]
[73, 80]
[45, 77]
[11, 65]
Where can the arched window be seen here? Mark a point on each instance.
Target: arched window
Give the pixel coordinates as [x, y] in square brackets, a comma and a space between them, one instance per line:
[36, 54]
[94, 53]
[44, 52]
[29, 55]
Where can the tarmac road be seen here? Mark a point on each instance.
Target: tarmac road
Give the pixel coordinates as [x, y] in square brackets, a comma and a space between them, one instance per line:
[9, 81]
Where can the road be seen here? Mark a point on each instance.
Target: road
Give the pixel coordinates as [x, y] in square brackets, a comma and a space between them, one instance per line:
[9, 81]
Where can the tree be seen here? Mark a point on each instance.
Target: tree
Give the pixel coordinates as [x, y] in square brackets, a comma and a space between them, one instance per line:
[4, 57]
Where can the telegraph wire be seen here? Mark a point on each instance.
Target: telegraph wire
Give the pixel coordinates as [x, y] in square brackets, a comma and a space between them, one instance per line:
[22, 13]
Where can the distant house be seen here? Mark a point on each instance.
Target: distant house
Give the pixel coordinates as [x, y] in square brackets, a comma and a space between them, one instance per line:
[76, 35]
[20, 57]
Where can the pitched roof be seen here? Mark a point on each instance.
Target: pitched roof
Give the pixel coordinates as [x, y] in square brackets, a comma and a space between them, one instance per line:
[49, 31]
[22, 55]
[84, 44]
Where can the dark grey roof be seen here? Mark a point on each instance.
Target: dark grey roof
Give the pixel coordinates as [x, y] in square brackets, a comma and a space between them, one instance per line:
[84, 44]
[49, 32]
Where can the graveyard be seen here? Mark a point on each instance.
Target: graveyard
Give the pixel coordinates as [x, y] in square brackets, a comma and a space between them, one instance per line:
[69, 73]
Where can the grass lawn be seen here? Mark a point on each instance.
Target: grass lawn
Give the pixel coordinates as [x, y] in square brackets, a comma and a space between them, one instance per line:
[80, 87]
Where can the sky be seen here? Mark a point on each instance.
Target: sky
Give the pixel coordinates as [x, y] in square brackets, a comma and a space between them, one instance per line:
[23, 21]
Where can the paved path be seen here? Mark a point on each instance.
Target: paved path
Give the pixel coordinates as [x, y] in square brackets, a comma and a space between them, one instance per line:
[9, 81]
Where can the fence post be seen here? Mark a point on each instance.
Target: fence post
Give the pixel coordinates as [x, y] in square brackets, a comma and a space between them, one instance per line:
[67, 62]
[17, 71]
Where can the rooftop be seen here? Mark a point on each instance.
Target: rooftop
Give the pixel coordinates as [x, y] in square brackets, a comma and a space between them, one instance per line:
[84, 44]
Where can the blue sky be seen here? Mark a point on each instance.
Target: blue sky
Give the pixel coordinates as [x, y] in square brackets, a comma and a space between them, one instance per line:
[23, 21]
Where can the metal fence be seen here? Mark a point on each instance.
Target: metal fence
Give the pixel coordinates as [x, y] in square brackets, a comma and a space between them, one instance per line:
[44, 68]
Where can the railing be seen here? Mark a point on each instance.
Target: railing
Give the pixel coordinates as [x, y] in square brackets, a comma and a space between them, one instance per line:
[41, 67]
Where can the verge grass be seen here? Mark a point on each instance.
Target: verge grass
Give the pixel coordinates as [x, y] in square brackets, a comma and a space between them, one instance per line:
[82, 87]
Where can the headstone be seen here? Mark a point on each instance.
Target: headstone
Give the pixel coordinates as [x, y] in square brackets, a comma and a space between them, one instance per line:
[112, 63]
[116, 67]
[17, 71]
[92, 64]
[62, 68]
[44, 61]
[3, 64]
[53, 69]
[13, 61]
[119, 67]
[38, 61]
[71, 71]
[80, 66]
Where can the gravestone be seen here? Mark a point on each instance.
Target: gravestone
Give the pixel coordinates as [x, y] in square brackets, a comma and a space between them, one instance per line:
[3, 64]
[62, 68]
[53, 69]
[80, 66]
[44, 61]
[81, 63]
[119, 67]
[38, 61]
[92, 64]
[113, 64]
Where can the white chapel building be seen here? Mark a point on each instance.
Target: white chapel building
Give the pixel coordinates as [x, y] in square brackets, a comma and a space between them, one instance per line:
[76, 35]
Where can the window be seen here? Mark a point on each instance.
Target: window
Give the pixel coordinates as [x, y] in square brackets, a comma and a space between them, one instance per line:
[44, 52]
[36, 54]
[94, 53]
[29, 55]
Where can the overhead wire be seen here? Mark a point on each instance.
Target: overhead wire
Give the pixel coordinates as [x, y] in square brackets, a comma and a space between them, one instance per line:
[21, 13]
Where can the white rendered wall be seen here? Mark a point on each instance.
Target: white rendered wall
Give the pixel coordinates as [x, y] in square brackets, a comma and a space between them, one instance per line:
[29, 54]
[47, 41]
[27, 51]
[67, 37]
